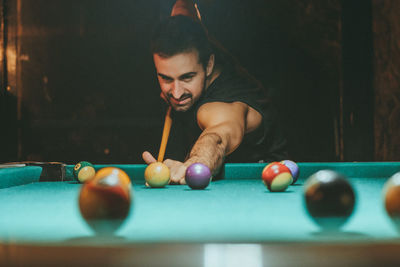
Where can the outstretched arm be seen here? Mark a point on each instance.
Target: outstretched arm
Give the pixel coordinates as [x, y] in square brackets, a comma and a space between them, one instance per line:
[224, 125]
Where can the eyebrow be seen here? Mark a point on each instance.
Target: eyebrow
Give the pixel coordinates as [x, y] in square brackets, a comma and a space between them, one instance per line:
[164, 76]
[188, 74]
[183, 76]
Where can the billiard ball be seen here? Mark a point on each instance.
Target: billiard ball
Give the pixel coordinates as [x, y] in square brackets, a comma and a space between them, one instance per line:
[105, 200]
[329, 199]
[391, 194]
[276, 177]
[198, 176]
[84, 171]
[157, 174]
[294, 169]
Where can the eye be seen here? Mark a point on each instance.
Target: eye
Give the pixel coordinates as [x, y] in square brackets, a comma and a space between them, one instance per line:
[187, 78]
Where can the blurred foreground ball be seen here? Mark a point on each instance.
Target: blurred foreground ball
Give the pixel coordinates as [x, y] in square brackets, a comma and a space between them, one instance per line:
[329, 199]
[391, 195]
[105, 200]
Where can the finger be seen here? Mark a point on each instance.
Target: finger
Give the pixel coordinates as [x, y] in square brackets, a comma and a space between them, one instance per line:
[174, 179]
[179, 175]
[148, 158]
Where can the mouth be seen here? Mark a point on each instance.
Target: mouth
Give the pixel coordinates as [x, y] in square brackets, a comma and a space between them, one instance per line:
[181, 101]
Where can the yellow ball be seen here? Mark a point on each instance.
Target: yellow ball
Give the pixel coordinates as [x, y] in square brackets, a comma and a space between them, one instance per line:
[157, 174]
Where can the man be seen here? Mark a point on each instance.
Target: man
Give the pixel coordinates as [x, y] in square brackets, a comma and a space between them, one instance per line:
[219, 111]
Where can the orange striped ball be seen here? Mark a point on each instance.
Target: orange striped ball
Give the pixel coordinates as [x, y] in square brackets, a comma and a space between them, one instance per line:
[276, 177]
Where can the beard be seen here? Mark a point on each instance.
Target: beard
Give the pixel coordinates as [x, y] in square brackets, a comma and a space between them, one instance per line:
[186, 105]
[188, 96]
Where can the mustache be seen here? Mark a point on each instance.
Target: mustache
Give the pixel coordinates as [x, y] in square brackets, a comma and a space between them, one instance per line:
[183, 97]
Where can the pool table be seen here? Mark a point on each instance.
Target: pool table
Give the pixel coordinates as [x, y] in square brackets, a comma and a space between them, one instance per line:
[236, 221]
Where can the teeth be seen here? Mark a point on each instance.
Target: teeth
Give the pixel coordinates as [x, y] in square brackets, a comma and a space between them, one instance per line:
[180, 100]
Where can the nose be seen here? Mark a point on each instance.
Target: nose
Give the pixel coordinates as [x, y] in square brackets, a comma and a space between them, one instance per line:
[177, 90]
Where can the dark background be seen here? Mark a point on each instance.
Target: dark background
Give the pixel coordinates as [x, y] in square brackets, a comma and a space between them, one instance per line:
[78, 81]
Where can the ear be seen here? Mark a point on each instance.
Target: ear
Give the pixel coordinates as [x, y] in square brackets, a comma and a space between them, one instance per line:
[210, 65]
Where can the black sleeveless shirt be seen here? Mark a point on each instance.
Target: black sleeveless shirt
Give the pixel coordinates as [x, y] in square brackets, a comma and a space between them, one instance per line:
[265, 144]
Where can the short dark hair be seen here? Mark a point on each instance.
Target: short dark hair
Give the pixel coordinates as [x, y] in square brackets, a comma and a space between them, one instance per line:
[179, 34]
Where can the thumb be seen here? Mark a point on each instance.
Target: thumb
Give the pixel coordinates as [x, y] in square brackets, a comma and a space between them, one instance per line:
[148, 158]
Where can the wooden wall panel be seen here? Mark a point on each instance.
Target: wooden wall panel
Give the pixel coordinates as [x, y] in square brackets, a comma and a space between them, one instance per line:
[386, 35]
[90, 93]
[294, 48]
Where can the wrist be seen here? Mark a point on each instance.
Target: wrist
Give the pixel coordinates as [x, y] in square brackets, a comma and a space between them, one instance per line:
[196, 159]
[190, 161]
[193, 160]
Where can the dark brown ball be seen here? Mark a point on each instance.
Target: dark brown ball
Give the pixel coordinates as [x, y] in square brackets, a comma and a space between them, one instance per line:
[329, 199]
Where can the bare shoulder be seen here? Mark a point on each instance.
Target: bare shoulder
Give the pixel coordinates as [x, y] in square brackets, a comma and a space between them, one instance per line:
[236, 112]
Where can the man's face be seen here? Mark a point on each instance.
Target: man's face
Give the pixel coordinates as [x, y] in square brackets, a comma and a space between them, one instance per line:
[182, 79]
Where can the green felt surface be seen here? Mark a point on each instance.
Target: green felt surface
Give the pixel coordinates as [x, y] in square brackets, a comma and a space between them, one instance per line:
[19, 176]
[230, 210]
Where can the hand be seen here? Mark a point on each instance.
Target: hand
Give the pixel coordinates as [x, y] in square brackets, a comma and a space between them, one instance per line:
[177, 168]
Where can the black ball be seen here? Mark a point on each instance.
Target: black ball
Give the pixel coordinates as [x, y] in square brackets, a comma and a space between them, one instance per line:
[329, 199]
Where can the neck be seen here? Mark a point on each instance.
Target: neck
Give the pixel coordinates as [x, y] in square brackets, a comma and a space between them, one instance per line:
[214, 75]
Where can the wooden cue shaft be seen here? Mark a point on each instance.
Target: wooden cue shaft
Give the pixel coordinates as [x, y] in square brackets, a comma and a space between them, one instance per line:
[165, 135]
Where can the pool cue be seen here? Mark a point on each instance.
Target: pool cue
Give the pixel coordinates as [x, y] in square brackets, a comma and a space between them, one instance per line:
[165, 135]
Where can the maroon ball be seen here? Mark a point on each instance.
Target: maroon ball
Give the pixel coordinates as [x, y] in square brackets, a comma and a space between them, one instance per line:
[198, 176]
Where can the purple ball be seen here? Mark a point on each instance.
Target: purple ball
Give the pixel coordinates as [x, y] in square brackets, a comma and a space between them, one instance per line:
[294, 169]
[198, 176]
